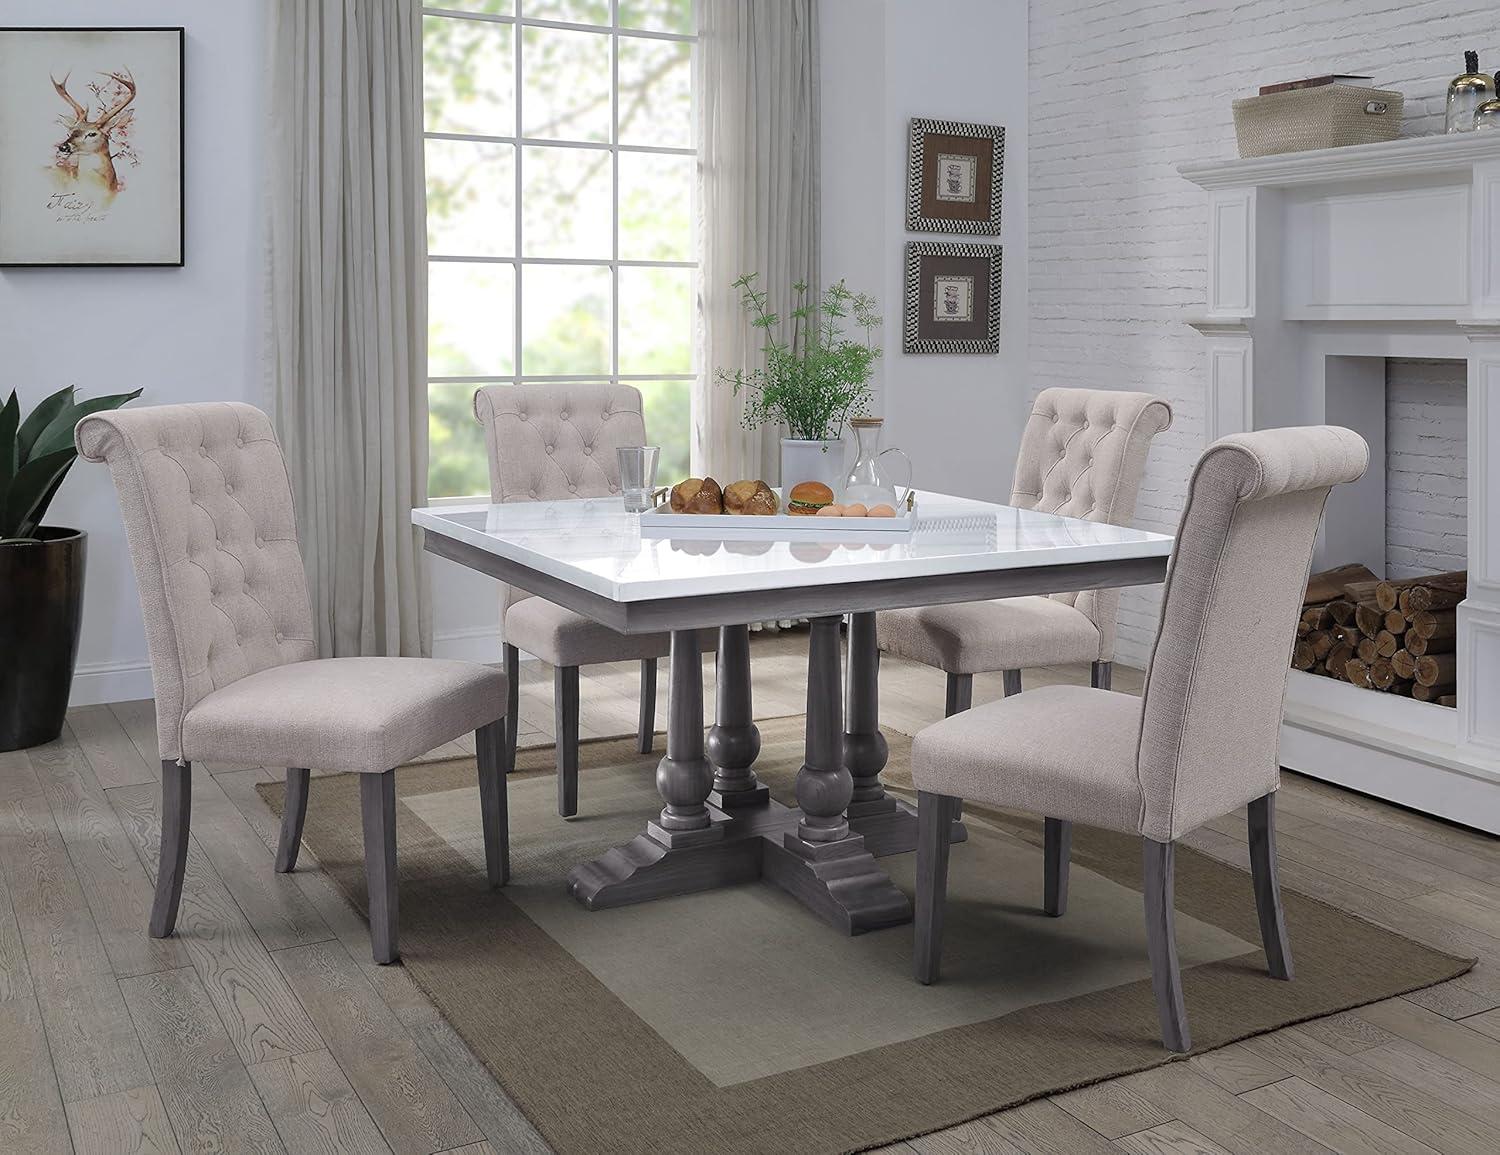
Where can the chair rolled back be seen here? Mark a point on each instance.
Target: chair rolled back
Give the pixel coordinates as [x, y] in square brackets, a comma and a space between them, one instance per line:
[555, 442]
[1083, 454]
[1211, 721]
[212, 531]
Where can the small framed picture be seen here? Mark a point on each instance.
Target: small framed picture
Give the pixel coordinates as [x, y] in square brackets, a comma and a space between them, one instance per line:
[954, 177]
[952, 298]
[91, 143]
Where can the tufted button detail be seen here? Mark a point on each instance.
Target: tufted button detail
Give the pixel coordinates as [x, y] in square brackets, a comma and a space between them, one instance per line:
[533, 493]
[278, 635]
[549, 450]
[588, 451]
[202, 451]
[228, 489]
[259, 542]
[240, 441]
[572, 489]
[521, 416]
[563, 415]
[219, 545]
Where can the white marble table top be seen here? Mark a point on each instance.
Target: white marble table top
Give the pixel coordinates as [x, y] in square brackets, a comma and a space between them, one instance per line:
[596, 546]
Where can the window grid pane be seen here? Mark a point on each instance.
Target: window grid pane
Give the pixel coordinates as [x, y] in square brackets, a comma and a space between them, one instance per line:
[560, 251]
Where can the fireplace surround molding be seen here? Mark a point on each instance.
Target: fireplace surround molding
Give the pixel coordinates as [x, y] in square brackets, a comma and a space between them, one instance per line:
[1321, 265]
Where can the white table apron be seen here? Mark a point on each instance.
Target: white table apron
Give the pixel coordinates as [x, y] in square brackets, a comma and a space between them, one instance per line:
[719, 826]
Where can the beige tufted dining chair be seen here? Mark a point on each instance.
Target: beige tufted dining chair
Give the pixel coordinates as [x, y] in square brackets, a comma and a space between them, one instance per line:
[557, 442]
[1083, 453]
[1201, 742]
[208, 514]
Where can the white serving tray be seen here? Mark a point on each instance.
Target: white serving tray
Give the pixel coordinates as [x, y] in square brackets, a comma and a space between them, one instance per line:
[662, 518]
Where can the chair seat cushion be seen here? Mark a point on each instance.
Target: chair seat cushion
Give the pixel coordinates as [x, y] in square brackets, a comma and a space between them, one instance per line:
[1064, 752]
[561, 637]
[363, 714]
[983, 637]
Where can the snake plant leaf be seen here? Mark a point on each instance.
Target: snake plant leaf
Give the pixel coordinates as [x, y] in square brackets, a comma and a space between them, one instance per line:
[29, 491]
[10, 415]
[59, 434]
[41, 417]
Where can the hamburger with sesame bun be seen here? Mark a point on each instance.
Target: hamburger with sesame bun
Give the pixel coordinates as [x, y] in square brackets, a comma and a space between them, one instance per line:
[807, 497]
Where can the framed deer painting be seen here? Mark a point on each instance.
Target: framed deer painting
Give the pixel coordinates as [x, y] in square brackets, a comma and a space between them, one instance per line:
[91, 143]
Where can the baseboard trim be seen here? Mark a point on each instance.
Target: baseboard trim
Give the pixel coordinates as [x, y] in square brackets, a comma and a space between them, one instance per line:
[95, 683]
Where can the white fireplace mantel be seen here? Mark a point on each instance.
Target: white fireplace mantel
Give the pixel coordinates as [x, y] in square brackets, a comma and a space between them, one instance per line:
[1321, 265]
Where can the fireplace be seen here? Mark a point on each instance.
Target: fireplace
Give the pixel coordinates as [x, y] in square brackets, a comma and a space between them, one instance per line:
[1336, 279]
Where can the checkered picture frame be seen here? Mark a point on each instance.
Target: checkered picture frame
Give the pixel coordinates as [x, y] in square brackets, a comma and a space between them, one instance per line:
[916, 146]
[911, 342]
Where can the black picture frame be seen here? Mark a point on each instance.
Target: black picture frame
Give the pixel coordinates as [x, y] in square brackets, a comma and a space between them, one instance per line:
[961, 280]
[969, 200]
[177, 259]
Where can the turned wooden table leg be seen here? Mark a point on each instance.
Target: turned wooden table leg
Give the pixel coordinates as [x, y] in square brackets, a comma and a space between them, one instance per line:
[734, 739]
[684, 776]
[888, 825]
[822, 862]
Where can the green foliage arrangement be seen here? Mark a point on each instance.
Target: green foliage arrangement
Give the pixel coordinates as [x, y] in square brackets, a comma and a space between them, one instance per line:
[816, 380]
[36, 454]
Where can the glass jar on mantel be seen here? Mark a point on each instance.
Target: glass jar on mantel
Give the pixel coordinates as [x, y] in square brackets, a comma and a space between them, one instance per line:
[870, 481]
[1466, 94]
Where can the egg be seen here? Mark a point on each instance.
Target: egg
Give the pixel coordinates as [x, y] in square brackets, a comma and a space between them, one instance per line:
[831, 511]
[856, 510]
[882, 511]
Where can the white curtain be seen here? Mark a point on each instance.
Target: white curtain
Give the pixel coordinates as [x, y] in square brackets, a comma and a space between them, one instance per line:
[757, 205]
[347, 310]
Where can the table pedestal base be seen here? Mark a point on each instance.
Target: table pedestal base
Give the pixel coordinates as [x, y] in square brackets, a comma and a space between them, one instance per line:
[889, 826]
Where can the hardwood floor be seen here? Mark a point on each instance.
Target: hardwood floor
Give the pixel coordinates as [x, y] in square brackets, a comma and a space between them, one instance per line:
[265, 1026]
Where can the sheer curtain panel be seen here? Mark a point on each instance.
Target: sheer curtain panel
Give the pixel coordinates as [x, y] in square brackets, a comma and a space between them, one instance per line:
[347, 310]
[757, 204]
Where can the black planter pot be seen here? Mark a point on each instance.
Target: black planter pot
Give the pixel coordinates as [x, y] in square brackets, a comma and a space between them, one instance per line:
[41, 617]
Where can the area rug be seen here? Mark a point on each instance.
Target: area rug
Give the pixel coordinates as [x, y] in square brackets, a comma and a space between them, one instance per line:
[736, 1021]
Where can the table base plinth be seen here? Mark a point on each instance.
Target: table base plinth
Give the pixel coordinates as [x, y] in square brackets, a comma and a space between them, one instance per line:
[889, 826]
[839, 881]
[739, 799]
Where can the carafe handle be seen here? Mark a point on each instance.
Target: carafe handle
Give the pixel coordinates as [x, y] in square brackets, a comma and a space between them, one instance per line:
[907, 483]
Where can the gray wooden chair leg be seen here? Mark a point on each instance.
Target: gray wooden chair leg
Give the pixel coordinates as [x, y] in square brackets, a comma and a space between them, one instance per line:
[293, 815]
[645, 736]
[936, 814]
[1058, 847]
[960, 694]
[1012, 683]
[377, 805]
[171, 863]
[493, 809]
[1101, 674]
[512, 706]
[1267, 888]
[565, 715]
[1161, 941]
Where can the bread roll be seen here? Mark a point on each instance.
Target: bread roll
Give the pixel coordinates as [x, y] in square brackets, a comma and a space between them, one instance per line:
[754, 498]
[697, 495]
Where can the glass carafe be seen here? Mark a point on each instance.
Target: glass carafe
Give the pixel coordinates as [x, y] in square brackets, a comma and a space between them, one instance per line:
[870, 481]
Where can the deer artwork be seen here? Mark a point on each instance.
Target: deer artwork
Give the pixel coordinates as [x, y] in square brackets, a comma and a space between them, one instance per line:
[85, 157]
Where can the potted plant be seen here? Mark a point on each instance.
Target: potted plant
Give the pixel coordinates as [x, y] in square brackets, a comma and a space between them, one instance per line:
[41, 567]
[813, 380]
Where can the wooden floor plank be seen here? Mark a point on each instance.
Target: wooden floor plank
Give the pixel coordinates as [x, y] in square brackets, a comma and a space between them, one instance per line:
[1458, 1042]
[1213, 1112]
[114, 882]
[90, 1035]
[1112, 1109]
[1330, 1120]
[487, 1104]
[31, 1108]
[130, 1122]
[15, 975]
[1397, 1101]
[113, 756]
[1173, 1138]
[1042, 1127]
[314, 1108]
[1486, 1023]
[264, 1018]
[976, 1138]
[408, 1100]
[207, 1093]
[1236, 1068]
[138, 720]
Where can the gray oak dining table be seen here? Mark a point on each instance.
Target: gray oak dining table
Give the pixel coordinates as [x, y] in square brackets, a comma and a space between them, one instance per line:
[718, 825]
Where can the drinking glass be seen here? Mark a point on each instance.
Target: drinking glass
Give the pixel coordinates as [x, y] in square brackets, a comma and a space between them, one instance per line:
[638, 475]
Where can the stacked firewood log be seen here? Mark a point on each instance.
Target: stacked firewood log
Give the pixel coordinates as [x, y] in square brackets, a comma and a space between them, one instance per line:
[1394, 636]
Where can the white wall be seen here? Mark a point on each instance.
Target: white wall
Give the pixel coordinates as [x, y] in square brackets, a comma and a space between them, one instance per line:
[183, 334]
[1426, 467]
[1121, 93]
[884, 62]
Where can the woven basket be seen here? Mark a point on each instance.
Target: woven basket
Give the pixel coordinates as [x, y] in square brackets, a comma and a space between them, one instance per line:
[1332, 116]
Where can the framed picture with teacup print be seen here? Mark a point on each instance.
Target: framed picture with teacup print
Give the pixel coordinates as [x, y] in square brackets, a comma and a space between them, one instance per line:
[91, 143]
[952, 298]
[954, 177]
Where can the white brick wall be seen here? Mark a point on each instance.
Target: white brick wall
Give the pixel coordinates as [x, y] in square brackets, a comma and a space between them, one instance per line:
[1122, 91]
[1426, 458]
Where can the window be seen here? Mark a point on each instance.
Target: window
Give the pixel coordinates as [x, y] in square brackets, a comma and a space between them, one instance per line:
[560, 177]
